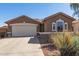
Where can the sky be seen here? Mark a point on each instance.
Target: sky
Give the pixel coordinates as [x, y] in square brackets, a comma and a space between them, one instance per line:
[34, 10]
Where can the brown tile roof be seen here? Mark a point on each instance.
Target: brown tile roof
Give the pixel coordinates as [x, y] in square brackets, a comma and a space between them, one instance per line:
[59, 13]
[22, 18]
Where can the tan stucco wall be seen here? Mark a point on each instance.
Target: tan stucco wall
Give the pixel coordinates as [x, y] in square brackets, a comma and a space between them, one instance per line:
[48, 22]
[76, 26]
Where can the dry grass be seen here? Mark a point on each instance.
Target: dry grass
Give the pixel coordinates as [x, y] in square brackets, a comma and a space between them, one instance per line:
[65, 42]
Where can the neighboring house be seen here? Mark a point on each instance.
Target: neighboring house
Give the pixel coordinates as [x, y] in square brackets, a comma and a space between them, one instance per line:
[26, 26]
[3, 31]
[76, 25]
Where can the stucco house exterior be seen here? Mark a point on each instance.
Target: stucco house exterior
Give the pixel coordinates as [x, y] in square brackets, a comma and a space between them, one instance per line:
[58, 22]
[76, 25]
[26, 26]
[22, 26]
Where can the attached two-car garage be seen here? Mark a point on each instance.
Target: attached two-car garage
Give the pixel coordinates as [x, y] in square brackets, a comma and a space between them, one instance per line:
[24, 29]
[22, 26]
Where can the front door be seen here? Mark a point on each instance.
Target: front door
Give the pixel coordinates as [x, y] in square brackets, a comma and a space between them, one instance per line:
[60, 26]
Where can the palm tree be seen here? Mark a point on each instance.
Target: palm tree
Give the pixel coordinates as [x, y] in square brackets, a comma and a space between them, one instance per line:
[75, 8]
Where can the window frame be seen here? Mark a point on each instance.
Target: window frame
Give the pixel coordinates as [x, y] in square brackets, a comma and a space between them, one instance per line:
[53, 24]
[66, 26]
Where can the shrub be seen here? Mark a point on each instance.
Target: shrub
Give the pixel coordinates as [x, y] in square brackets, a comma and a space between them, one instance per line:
[77, 33]
[66, 43]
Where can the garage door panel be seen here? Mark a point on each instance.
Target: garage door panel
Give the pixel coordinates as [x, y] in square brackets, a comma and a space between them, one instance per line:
[23, 34]
[24, 30]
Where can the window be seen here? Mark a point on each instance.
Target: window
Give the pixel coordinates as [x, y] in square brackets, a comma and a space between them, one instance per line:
[66, 26]
[53, 26]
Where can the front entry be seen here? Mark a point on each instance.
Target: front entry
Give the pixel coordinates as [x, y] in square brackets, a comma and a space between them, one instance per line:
[60, 26]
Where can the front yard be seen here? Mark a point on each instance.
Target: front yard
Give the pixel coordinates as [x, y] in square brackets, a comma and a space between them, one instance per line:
[62, 44]
[58, 44]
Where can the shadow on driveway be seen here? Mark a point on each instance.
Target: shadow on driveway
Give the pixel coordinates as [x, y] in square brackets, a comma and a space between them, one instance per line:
[35, 40]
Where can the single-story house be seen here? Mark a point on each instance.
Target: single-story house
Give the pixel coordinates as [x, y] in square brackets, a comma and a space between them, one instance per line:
[26, 26]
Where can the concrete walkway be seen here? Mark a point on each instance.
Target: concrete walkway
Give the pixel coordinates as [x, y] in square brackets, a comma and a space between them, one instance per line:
[20, 46]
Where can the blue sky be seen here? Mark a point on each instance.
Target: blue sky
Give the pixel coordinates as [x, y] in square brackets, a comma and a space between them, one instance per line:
[33, 10]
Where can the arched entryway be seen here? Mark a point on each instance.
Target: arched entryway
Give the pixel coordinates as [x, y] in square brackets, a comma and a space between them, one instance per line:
[60, 25]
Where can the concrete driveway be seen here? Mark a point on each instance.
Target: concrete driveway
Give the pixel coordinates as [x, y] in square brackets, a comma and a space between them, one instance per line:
[20, 46]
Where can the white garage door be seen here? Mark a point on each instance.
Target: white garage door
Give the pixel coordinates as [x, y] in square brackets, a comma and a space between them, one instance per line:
[24, 30]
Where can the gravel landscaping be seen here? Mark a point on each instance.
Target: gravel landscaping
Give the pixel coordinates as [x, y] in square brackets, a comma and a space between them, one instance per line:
[50, 50]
